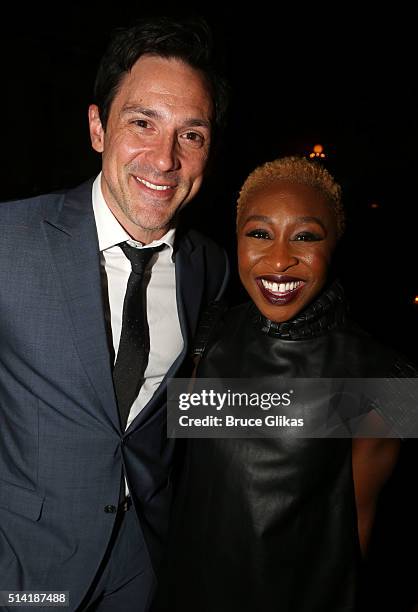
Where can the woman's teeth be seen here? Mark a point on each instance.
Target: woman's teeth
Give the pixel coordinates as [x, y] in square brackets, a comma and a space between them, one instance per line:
[281, 287]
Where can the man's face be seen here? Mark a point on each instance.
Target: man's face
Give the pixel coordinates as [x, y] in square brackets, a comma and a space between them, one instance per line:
[156, 144]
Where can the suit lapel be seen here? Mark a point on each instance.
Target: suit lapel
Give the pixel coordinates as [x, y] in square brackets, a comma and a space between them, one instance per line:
[189, 262]
[72, 238]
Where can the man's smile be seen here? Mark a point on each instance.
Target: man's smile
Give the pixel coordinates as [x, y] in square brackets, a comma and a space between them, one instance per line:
[154, 186]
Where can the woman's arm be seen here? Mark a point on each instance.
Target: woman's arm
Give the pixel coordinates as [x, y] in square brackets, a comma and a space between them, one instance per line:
[374, 460]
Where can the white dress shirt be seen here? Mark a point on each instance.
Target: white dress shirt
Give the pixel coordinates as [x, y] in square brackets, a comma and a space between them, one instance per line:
[166, 341]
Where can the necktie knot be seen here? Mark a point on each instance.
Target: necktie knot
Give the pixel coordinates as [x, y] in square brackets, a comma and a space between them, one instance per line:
[139, 258]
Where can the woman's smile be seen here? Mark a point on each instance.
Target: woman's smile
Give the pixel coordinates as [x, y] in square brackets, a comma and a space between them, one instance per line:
[279, 289]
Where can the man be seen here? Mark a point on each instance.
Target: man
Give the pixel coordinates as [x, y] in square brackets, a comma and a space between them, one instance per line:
[85, 472]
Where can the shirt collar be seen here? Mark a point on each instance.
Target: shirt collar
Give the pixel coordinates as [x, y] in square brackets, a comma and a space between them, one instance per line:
[109, 230]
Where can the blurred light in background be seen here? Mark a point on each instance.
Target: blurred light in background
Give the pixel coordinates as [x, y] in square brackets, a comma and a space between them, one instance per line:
[317, 151]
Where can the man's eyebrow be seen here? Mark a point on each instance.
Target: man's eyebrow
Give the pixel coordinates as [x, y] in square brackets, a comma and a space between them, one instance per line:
[153, 114]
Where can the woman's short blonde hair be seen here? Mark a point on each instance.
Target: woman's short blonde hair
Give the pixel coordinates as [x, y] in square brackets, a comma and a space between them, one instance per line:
[297, 170]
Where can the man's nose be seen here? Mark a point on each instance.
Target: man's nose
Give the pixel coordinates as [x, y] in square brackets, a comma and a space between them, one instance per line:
[164, 155]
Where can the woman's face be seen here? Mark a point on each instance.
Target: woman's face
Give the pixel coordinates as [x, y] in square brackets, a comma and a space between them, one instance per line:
[286, 235]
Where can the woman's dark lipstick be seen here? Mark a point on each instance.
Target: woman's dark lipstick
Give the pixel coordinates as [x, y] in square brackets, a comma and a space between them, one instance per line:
[279, 289]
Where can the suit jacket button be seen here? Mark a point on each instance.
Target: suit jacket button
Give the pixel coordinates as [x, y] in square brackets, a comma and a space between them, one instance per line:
[110, 509]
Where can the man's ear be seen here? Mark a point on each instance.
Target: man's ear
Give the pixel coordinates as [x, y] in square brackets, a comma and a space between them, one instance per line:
[96, 129]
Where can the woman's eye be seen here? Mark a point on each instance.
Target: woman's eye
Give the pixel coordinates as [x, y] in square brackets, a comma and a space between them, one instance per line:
[307, 237]
[259, 233]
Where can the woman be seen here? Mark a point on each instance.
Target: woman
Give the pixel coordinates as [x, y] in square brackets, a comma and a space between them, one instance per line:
[271, 524]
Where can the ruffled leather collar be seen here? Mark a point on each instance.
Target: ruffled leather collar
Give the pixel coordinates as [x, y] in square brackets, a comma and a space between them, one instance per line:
[328, 311]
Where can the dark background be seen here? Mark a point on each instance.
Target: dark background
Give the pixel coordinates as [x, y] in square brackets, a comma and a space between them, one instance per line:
[344, 78]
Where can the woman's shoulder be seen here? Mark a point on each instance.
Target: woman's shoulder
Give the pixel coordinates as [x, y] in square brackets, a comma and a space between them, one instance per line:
[379, 356]
[218, 319]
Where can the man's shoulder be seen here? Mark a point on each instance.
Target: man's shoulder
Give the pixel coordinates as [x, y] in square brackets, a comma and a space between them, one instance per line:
[204, 257]
[33, 204]
[215, 256]
[197, 239]
[40, 204]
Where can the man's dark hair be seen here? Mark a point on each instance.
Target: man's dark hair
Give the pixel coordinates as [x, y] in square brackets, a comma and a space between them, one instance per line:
[189, 40]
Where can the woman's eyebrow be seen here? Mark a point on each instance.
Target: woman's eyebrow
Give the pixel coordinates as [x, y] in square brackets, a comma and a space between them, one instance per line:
[258, 218]
[266, 219]
[312, 219]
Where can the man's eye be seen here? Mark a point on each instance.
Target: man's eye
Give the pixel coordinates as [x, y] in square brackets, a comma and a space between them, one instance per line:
[307, 237]
[259, 233]
[193, 138]
[142, 123]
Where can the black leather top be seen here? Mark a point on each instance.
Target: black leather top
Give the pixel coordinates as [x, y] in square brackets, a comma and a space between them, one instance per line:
[270, 524]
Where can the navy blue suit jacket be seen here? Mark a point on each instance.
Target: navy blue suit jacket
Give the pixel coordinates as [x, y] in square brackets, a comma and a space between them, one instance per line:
[62, 448]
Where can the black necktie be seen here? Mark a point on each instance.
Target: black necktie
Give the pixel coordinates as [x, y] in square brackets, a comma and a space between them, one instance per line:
[132, 357]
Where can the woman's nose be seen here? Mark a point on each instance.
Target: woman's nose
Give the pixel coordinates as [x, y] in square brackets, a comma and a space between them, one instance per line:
[280, 256]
